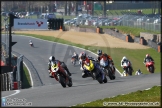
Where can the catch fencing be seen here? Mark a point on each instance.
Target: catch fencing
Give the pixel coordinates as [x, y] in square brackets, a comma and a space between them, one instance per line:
[12, 80]
[143, 22]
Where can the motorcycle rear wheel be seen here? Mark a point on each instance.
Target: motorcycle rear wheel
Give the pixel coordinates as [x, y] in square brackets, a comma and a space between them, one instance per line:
[70, 82]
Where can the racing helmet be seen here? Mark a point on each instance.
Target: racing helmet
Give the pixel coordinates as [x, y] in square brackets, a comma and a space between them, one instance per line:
[83, 56]
[147, 55]
[124, 58]
[99, 52]
[52, 58]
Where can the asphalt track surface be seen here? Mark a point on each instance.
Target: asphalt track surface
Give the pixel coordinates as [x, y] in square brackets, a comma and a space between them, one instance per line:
[48, 92]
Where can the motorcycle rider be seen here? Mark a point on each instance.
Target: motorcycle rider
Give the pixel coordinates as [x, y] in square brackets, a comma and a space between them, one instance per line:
[102, 55]
[80, 55]
[85, 60]
[124, 59]
[52, 59]
[148, 57]
[138, 72]
[75, 55]
[30, 42]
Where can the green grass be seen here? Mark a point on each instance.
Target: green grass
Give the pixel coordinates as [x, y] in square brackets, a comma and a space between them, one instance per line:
[136, 56]
[26, 78]
[151, 95]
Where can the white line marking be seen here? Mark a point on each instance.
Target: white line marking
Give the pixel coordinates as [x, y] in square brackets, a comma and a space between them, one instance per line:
[17, 91]
[66, 45]
[31, 79]
[148, 89]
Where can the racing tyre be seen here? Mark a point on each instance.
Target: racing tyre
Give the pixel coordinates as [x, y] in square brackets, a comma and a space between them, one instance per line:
[151, 69]
[129, 72]
[62, 81]
[113, 77]
[110, 74]
[105, 80]
[70, 82]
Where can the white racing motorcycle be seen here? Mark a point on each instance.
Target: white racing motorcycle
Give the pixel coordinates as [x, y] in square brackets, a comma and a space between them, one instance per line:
[127, 69]
[107, 68]
[31, 44]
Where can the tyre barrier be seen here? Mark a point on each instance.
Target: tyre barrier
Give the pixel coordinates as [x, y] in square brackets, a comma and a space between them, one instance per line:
[7, 82]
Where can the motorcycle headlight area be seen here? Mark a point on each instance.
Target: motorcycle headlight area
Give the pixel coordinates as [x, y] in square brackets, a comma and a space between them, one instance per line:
[55, 69]
[102, 63]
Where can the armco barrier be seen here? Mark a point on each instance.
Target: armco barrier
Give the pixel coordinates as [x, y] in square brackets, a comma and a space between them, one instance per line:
[115, 34]
[140, 40]
[137, 39]
[92, 30]
[152, 44]
[6, 81]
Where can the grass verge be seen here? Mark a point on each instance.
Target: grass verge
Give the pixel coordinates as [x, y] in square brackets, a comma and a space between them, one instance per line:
[26, 78]
[136, 56]
[151, 95]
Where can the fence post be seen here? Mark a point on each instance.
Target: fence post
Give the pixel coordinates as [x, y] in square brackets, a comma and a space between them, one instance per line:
[7, 82]
[5, 85]
[159, 48]
[19, 72]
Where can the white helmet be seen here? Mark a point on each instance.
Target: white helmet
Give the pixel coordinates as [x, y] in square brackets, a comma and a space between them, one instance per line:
[50, 59]
[124, 58]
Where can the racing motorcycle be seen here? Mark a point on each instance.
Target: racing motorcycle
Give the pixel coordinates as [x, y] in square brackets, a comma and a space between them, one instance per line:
[150, 65]
[91, 68]
[31, 44]
[127, 69]
[73, 60]
[59, 76]
[107, 68]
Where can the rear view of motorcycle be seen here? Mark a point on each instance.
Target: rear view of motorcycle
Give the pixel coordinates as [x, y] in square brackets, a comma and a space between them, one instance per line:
[59, 76]
[73, 60]
[107, 68]
[31, 44]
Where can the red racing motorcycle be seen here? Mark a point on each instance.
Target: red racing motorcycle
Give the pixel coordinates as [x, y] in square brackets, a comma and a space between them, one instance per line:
[57, 73]
[150, 65]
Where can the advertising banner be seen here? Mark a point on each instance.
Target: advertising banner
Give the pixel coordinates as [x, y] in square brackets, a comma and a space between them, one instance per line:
[30, 24]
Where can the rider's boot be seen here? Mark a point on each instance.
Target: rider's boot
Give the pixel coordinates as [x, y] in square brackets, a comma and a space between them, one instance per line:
[67, 70]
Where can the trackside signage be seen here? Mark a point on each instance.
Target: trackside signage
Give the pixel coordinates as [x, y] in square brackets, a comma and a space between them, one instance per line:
[30, 24]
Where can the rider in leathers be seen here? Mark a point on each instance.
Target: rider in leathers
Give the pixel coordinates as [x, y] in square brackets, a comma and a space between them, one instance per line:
[75, 55]
[102, 55]
[52, 59]
[85, 59]
[124, 59]
[148, 57]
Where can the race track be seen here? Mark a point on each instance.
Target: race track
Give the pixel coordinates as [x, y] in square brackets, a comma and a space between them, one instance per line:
[48, 92]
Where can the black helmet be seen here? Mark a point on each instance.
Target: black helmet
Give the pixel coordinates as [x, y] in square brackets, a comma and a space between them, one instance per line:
[99, 52]
[52, 58]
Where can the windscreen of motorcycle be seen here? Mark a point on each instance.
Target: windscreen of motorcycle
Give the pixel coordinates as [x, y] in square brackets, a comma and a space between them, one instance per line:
[54, 67]
[125, 64]
[103, 62]
[90, 67]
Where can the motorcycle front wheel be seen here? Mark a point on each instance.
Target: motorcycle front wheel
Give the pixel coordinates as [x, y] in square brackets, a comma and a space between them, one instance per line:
[62, 81]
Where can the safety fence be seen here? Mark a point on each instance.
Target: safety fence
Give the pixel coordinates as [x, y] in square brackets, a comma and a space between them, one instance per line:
[12, 80]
